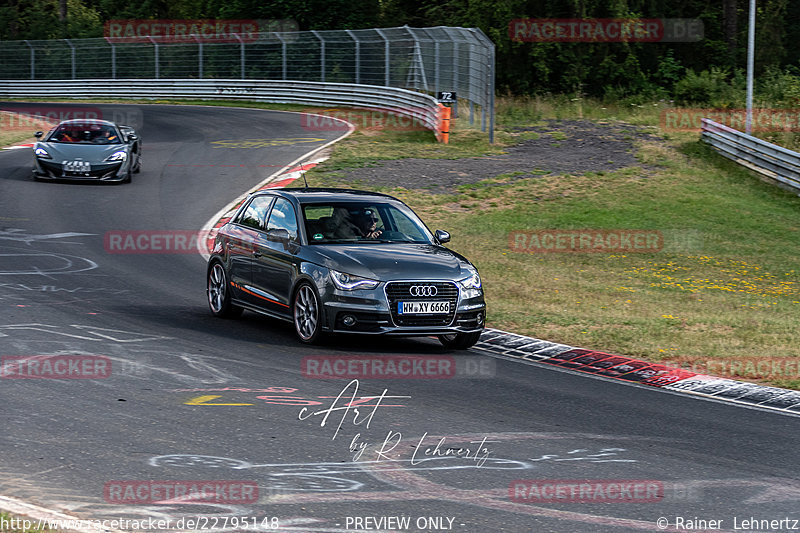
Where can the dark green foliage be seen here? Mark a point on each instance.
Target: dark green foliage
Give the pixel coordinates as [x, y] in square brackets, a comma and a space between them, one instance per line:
[707, 73]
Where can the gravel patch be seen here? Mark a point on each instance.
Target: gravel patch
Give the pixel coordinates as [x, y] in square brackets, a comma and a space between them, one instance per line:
[563, 147]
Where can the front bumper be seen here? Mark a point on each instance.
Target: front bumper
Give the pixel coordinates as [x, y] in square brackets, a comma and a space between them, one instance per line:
[48, 169]
[372, 312]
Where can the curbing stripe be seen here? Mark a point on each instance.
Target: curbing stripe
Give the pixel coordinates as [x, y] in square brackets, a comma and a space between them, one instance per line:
[18, 146]
[210, 228]
[631, 370]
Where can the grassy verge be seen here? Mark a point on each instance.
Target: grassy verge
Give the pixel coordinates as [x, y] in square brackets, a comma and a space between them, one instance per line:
[14, 131]
[726, 286]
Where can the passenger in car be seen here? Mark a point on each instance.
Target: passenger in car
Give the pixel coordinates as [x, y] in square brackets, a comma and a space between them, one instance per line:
[340, 225]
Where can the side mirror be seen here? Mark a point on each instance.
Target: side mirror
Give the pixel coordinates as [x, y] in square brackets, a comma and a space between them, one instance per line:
[38, 134]
[442, 236]
[278, 235]
[132, 137]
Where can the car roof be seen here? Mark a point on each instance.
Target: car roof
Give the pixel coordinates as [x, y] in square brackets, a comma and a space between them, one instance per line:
[319, 194]
[86, 121]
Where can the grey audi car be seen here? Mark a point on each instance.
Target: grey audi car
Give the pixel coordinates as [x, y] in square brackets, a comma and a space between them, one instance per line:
[343, 261]
[87, 150]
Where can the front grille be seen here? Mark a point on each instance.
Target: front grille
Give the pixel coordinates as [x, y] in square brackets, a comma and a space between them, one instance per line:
[98, 170]
[398, 291]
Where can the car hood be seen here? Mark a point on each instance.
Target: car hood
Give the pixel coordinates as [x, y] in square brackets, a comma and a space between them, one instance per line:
[388, 262]
[85, 152]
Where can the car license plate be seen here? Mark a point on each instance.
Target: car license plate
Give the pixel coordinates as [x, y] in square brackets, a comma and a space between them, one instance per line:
[423, 308]
[77, 166]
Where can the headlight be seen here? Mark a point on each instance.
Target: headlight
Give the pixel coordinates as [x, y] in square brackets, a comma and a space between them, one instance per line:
[471, 286]
[349, 282]
[119, 155]
[41, 152]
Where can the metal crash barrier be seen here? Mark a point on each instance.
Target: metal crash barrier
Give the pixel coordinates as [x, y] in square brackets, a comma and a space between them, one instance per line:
[770, 160]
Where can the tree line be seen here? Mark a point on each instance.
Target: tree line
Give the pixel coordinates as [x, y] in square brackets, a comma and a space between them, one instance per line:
[709, 71]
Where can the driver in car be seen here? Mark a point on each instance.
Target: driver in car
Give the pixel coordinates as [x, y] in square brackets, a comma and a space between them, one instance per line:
[367, 223]
[108, 136]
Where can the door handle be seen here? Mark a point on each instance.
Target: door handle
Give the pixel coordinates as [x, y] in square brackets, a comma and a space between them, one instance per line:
[257, 253]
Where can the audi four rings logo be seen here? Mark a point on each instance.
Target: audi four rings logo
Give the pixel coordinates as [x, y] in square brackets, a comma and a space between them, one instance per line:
[422, 290]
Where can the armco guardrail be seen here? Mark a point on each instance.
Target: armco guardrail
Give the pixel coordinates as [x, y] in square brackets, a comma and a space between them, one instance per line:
[459, 61]
[768, 159]
[419, 106]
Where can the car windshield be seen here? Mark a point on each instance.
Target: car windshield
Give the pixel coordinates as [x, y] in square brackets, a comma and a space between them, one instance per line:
[78, 133]
[363, 222]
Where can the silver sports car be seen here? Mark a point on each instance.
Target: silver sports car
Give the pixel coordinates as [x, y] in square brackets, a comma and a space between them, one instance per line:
[88, 150]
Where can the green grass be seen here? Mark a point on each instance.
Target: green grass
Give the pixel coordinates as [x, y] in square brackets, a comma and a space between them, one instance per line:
[12, 131]
[726, 285]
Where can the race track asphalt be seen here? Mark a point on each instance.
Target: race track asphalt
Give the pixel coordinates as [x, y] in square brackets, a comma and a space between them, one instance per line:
[160, 414]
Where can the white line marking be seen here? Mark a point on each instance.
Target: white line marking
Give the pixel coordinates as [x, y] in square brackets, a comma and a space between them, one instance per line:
[208, 226]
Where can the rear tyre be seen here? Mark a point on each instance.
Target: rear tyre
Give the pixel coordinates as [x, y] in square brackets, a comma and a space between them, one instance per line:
[460, 341]
[307, 313]
[219, 297]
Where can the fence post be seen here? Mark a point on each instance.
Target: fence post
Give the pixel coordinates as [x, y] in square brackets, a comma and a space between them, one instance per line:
[471, 98]
[491, 94]
[241, 52]
[386, 57]
[155, 48]
[321, 55]
[436, 65]
[33, 60]
[455, 77]
[199, 55]
[283, 55]
[358, 55]
[113, 61]
[72, 55]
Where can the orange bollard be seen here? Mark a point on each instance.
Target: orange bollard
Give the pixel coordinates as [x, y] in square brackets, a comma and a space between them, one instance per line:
[446, 125]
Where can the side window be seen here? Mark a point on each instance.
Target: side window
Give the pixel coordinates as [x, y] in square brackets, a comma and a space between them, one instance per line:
[404, 225]
[283, 217]
[254, 213]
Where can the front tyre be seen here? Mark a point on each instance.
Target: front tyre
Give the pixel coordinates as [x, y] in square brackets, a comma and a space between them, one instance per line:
[307, 313]
[460, 341]
[219, 297]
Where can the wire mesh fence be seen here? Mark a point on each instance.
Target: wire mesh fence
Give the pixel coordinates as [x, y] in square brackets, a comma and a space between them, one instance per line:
[432, 60]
